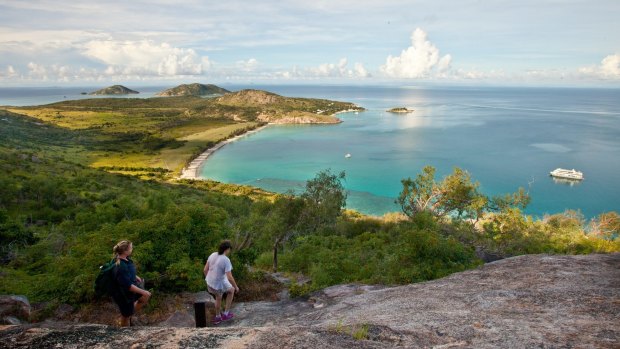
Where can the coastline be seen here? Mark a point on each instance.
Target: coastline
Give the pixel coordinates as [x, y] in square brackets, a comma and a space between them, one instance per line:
[192, 170]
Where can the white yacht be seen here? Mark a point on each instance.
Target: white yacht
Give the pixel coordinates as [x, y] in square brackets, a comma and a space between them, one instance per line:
[347, 156]
[568, 174]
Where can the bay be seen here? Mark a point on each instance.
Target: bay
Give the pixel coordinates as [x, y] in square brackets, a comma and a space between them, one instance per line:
[504, 137]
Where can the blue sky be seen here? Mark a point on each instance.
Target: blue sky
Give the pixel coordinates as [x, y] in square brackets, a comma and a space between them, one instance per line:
[46, 42]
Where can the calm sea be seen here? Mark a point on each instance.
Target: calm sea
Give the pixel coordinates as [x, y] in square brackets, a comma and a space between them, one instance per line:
[505, 137]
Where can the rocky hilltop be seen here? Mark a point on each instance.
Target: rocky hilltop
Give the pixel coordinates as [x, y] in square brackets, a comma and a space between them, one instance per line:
[273, 108]
[114, 90]
[529, 301]
[193, 90]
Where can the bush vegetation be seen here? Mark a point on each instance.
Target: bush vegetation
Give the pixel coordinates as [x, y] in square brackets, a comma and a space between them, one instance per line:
[59, 220]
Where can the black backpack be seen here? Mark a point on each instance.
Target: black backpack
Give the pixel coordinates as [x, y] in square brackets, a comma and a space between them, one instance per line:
[105, 284]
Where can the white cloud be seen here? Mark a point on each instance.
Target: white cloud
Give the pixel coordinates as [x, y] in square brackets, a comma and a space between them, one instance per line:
[360, 71]
[248, 66]
[9, 72]
[145, 57]
[37, 71]
[334, 70]
[417, 61]
[609, 68]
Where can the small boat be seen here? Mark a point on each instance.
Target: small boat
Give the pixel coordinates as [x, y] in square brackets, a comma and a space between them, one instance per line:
[566, 174]
[347, 156]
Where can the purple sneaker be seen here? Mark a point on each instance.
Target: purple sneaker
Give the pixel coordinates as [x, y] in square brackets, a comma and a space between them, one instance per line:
[217, 319]
[226, 317]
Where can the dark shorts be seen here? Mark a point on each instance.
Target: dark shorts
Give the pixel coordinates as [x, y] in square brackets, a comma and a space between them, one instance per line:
[126, 303]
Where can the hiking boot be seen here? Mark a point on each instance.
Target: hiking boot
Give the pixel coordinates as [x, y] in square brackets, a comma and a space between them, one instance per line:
[217, 320]
[226, 317]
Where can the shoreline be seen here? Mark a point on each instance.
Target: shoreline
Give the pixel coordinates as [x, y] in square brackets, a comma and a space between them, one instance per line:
[191, 171]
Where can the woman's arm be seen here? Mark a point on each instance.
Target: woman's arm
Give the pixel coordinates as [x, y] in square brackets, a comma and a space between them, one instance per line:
[232, 280]
[138, 290]
[206, 269]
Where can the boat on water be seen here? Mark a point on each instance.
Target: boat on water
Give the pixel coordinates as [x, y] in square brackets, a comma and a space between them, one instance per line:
[347, 156]
[567, 174]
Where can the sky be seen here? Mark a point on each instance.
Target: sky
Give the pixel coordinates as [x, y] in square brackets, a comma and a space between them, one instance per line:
[537, 42]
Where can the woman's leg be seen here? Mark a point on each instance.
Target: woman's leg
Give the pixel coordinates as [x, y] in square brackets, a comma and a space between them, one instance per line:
[141, 302]
[124, 321]
[229, 299]
[218, 304]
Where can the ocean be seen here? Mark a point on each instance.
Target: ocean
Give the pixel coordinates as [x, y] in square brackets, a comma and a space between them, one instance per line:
[505, 137]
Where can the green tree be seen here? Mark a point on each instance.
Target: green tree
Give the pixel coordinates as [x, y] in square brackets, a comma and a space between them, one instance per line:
[283, 222]
[324, 199]
[456, 195]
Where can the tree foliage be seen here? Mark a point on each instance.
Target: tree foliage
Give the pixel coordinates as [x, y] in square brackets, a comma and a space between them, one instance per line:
[456, 196]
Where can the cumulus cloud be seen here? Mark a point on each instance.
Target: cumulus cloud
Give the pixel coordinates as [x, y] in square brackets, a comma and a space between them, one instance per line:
[145, 57]
[9, 73]
[608, 69]
[37, 71]
[330, 70]
[247, 66]
[417, 61]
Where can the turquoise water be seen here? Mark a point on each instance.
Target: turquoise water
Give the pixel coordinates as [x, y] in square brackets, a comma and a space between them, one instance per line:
[505, 137]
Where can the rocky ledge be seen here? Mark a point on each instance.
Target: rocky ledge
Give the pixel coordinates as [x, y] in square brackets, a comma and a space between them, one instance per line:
[522, 302]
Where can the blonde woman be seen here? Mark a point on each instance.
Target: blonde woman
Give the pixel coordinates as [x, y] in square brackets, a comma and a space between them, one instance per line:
[219, 278]
[128, 296]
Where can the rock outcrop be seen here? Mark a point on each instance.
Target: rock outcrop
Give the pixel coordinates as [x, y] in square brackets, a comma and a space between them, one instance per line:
[193, 90]
[522, 302]
[114, 90]
[14, 309]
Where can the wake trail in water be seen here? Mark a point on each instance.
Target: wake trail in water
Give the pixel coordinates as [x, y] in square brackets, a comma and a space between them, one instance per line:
[538, 109]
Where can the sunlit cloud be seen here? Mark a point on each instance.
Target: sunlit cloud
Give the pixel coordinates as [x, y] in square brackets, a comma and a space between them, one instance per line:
[329, 70]
[609, 68]
[247, 66]
[145, 57]
[419, 60]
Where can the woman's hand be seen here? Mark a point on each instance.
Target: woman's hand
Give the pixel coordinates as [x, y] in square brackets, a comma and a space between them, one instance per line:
[236, 289]
[139, 279]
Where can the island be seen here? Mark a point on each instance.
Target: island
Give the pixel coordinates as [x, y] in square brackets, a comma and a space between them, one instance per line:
[195, 89]
[400, 110]
[114, 90]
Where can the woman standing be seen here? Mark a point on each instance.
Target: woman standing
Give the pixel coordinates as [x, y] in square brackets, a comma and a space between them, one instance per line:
[218, 275]
[128, 296]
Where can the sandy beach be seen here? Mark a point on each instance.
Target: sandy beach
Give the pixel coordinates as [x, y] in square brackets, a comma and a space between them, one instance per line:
[193, 169]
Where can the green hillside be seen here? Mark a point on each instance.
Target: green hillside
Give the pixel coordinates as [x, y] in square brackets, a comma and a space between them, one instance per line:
[60, 217]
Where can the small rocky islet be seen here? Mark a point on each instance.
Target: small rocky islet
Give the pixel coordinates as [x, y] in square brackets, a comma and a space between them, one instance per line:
[400, 110]
[114, 90]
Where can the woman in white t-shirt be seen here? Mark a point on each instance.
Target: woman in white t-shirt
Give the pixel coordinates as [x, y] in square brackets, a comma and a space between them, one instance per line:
[218, 275]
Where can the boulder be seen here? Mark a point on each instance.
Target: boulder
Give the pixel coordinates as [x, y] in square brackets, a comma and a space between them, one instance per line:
[10, 320]
[14, 306]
